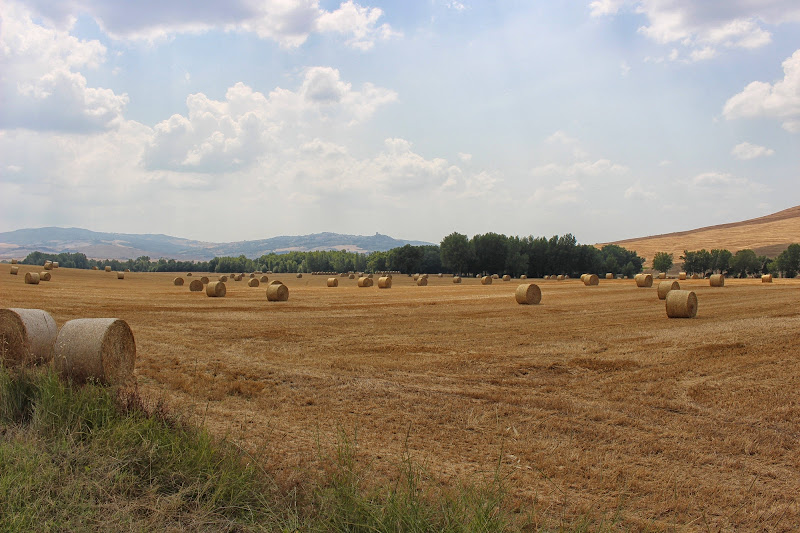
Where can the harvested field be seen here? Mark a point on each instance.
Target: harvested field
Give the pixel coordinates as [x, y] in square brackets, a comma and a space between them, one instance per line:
[592, 402]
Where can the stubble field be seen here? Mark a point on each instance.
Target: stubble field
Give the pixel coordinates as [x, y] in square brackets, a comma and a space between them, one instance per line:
[591, 403]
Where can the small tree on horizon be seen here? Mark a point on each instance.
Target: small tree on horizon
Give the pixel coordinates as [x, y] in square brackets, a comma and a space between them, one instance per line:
[662, 261]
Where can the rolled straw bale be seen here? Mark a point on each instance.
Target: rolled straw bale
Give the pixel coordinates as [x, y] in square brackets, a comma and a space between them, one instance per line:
[44, 276]
[422, 282]
[524, 276]
[333, 282]
[415, 277]
[591, 279]
[369, 276]
[547, 276]
[223, 279]
[252, 275]
[277, 292]
[681, 304]
[32, 278]
[253, 283]
[196, 285]
[665, 286]
[644, 280]
[424, 276]
[364, 281]
[695, 276]
[13, 261]
[188, 274]
[299, 275]
[681, 276]
[95, 268]
[216, 289]
[566, 276]
[441, 275]
[609, 275]
[237, 277]
[55, 264]
[343, 275]
[384, 282]
[178, 282]
[27, 336]
[205, 280]
[275, 282]
[456, 279]
[351, 276]
[101, 349]
[717, 280]
[48, 265]
[528, 294]
[583, 276]
[560, 277]
[107, 269]
[495, 276]
[486, 280]
[263, 279]
[120, 275]
[506, 278]
[662, 275]
[14, 270]
[766, 278]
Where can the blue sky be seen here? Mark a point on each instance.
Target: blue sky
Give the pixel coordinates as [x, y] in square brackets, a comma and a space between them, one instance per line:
[247, 119]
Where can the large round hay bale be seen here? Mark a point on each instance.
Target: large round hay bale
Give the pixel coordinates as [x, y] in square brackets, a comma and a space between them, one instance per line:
[560, 277]
[253, 282]
[456, 279]
[385, 282]
[45, 276]
[216, 289]
[277, 292]
[13, 261]
[252, 275]
[681, 276]
[766, 278]
[178, 282]
[48, 265]
[364, 281]
[120, 275]
[107, 269]
[717, 280]
[591, 279]
[662, 275]
[528, 294]
[422, 282]
[205, 280]
[95, 268]
[299, 275]
[524, 276]
[665, 286]
[101, 349]
[415, 277]
[495, 276]
[27, 337]
[333, 282]
[644, 280]
[264, 279]
[14, 270]
[223, 279]
[351, 276]
[32, 278]
[196, 285]
[547, 276]
[55, 264]
[609, 275]
[369, 276]
[506, 277]
[681, 304]
[276, 282]
[486, 280]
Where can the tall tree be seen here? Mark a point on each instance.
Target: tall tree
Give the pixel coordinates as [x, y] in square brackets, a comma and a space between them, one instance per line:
[456, 252]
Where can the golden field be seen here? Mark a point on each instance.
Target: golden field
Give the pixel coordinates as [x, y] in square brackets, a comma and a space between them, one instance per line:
[593, 402]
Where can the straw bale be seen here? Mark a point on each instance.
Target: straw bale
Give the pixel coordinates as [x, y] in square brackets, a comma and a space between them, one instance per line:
[252, 275]
[27, 336]
[695, 276]
[415, 277]
[205, 280]
[495, 276]
[216, 289]
[101, 349]
[547, 276]
[95, 268]
[717, 280]
[369, 276]
[264, 279]
[32, 278]
[506, 278]
[609, 275]
[120, 275]
[223, 279]
[766, 278]
[681, 304]
[48, 265]
[422, 282]
[13, 261]
[528, 294]
[351, 276]
[277, 292]
[253, 283]
[385, 282]
[590, 279]
[560, 277]
[524, 276]
[644, 280]
[665, 286]
[107, 269]
[45, 276]
[333, 282]
[188, 274]
[55, 264]
[299, 275]
[14, 270]
[196, 285]
[441, 275]
[486, 280]
[364, 281]
[662, 275]
[178, 282]
[681, 276]
[456, 279]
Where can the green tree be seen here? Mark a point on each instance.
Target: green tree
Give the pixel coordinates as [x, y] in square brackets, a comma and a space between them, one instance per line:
[455, 252]
[788, 261]
[490, 252]
[720, 260]
[744, 263]
[662, 261]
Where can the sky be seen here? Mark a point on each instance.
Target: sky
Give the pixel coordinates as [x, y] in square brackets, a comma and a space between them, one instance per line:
[248, 119]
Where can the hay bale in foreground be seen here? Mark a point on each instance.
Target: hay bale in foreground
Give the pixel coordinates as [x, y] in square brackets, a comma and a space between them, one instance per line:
[14, 270]
[276, 282]
[644, 280]
[107, 269]
[665, 286]
[528, 294]
[178, 282]
[681, 276]
[456, 279]
[253, 282]
[277, 292]
[32, 278]
[506, 277]
[590, 279]
[45, 276]
[364, 281]
[486, 280]
[101, 349]
[681, 304]
[196, 285]
[27, 337]
[385, 282]
[766, 278]
[717, 280]
[216, 289]
[422, 282]
[120, 275]
[333, 282]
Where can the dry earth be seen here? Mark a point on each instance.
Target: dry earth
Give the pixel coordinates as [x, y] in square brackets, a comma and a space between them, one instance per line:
[592, 402]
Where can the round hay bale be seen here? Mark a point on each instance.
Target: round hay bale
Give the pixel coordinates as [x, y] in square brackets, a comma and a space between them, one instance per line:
[369, 276]
[333, 282]
[766, 278]
[422, 282]
[223, 279]
[364, 281]
[14, 270]
[681, 304]
[717, 280]
[486, 280]
[456, 279]
[343, 275]
[178, 282]
[264, 279]
[662, 275]
[681, 276]
[441, 275]
[695, 276]
[560, 277]
[120, 275]
[253, 282]
[609, 275]
[101, 349]
[237, 277]
[665, 286]
[216, 289]
[55, 264]
[277, 292]
[107, 269]
[495, 276]
[13, 261]
[205, 280]
[547, 277]
[385, 282]
[32, 278]
[45, 276]
[48, 265]
[188, 274]
[351, 276]
[524, 276]
[424, 276]
[528, 294]
[95, 268]
[644, 280]
[591, 279]
[252, 275]
[127, 270]
[506, 278]
[415, 277]
[27, 337]
[196, 285]
[299, 275]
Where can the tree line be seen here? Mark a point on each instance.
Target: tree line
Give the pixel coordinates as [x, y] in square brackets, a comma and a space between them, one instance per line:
[742, 264]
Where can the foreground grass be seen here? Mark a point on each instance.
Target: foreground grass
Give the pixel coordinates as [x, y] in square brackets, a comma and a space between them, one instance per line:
[89, 458]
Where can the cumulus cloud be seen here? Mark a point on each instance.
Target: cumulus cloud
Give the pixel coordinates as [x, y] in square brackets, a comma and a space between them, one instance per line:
[605, 7]
[288, 23]
[747, 151]
[638, 192]
[42, 86]
[580, 168]
[780, 100]
[564, 192]
[724, 183]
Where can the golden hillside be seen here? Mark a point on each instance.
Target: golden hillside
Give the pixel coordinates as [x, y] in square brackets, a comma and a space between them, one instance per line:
[768, 235]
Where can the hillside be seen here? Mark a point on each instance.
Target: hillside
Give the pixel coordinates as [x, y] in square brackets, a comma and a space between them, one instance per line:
[768, 235]
[18, 244]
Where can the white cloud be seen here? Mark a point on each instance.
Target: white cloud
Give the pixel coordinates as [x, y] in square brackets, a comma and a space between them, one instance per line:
[580, 168]
[725, 184]
[747, 151]
[780, 100]
[565, 192]
[454, 4]
[561, 138]
[638, 192]
[624, 68]
[605, 7]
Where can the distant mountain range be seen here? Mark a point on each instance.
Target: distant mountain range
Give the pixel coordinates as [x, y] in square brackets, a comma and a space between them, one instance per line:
[19, 243]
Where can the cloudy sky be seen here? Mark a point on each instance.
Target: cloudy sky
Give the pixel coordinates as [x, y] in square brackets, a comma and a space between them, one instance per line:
[248, 119]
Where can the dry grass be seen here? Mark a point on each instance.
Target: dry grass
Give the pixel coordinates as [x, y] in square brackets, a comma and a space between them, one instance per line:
[594, 402]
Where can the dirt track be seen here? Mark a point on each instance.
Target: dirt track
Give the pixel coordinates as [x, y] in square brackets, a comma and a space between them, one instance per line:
[593, 400]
